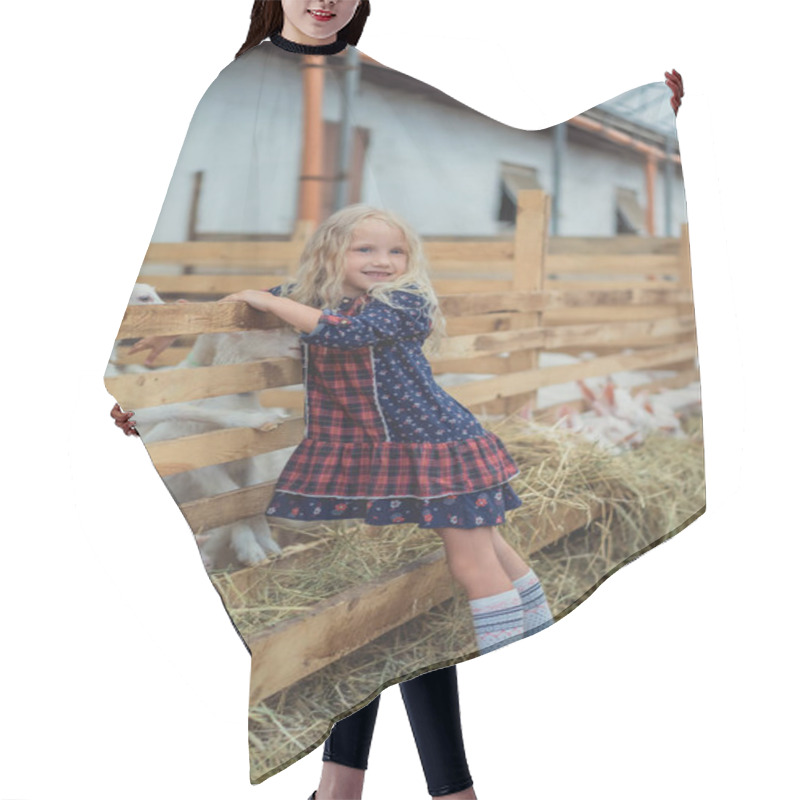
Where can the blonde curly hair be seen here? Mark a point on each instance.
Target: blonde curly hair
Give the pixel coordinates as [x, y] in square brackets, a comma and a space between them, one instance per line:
[320, 276]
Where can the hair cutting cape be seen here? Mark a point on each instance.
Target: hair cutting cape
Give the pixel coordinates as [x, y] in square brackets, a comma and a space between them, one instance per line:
[561, 263]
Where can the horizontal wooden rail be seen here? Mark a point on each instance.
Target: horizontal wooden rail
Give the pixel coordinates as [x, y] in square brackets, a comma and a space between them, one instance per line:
[287, 652]
[213, 286]
[211, 512]
[236, 253]
[218, 447]
[160, 387]
[591, 245]
[174, 319]
[195, 318]
[627, 264]
[242, 253]
[222, 254]
[227, 507]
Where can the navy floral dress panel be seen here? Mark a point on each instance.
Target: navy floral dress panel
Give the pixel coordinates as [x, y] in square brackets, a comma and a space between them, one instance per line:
[383, 441]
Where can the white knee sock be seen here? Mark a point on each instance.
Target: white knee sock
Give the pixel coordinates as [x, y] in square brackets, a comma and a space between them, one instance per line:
[497, 619]
[536, 614]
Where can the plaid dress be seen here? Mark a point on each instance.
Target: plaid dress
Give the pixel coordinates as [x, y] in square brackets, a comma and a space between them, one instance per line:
[383, 441]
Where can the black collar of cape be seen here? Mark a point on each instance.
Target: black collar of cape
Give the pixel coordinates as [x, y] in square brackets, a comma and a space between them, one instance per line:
[311, 49]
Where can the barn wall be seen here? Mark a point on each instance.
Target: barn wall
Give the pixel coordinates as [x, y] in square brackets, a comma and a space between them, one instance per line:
[436, 165]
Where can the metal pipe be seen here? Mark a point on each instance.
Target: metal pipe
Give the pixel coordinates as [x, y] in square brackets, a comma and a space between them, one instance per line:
[310, 202]
[669, 177]
[559, 152]
[343, 177]
[651, 170]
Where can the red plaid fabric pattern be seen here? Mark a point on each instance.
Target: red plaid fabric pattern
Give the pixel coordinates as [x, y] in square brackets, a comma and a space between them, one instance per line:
[396, 469]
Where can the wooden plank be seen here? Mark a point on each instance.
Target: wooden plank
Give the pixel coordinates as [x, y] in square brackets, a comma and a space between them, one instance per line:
[684, 258]
[222, 254]
[530, 249]
[615, 332]
[194, 318]
[186, 285]
[638, 296]
[573, 316]
[612, 263]
[521, 340]
[160, 387]
[485, 267]
[634, 342]
[666, 245]
[612, 284]
[482, 344]
[468, 285]
[294, 649]
[287, 652]
[168, 358]
[481, 365]
[293, 399]
[220, 509]
[440, 249]
[219, 447]
[230, 506]
[193, 452]
[465, 251]
[525, 382]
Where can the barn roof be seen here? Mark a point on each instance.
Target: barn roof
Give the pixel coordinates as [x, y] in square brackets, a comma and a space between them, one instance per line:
[639, 112]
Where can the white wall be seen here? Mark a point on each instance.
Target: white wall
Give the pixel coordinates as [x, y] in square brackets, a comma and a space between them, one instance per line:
[436, 165]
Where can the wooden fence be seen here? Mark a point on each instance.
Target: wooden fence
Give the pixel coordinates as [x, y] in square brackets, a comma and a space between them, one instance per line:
[506, 301]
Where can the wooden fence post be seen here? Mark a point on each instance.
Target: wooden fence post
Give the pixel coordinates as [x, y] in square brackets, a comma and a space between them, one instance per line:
[530, 249]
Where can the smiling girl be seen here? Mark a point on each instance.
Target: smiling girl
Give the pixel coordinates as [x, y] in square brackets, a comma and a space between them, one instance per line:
[383, 441]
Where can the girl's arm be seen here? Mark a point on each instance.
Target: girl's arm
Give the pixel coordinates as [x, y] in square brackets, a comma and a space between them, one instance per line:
[301, 316]
[377, 322]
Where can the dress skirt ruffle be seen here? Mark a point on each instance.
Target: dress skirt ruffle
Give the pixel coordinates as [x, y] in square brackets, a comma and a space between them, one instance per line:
[375, 470]
[479, 509]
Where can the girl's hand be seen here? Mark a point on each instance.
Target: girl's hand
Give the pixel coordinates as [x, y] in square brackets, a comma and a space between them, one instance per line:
[253, 297]
[122, 419]
[156, 344]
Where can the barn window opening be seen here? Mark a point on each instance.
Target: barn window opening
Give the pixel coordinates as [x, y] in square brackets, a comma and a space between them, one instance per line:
[629, 213]
[513, 178]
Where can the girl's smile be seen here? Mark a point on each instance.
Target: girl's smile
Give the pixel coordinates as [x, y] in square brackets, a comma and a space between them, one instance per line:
[378, 253]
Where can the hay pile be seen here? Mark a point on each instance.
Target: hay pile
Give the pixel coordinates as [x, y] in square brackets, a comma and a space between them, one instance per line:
[647, 495]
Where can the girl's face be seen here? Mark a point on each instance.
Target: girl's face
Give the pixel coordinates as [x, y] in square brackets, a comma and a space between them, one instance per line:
[378, 253]
[315, 21]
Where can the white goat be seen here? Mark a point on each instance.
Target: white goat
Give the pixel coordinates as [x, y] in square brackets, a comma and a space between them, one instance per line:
[143, 294]
[249, 539]
[618, 421]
